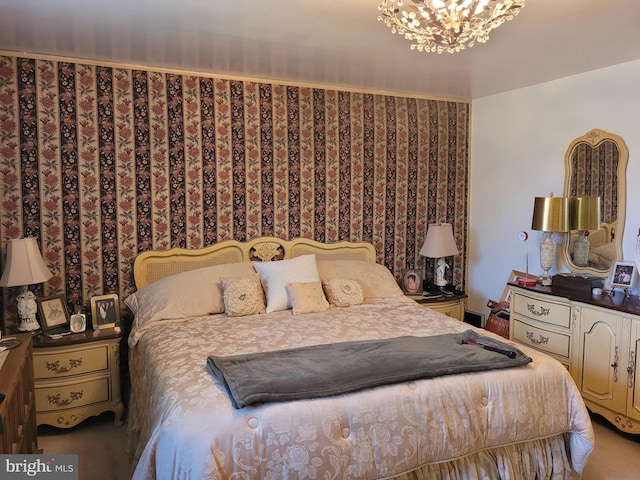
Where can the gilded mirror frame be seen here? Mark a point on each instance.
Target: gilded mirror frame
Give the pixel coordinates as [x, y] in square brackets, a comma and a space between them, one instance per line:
[613, 200]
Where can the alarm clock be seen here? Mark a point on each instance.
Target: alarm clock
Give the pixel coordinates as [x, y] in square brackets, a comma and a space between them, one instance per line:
[78, 322]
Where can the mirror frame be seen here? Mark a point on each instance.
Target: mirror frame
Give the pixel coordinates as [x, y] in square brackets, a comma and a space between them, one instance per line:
[594, 138]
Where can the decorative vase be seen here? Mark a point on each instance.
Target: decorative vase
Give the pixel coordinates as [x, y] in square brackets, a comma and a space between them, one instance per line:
[581, 249]
[547, 257]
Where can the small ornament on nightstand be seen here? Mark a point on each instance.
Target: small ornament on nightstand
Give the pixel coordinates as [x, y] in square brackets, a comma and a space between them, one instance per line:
[78, 322]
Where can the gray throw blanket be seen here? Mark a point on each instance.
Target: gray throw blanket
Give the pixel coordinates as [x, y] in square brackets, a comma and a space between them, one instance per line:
[332, 369]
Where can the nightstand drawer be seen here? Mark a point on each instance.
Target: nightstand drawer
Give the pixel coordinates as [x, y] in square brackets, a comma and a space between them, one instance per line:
[72, 395]
[453, 309]
[542, 310]
[58, 364]
[541, 339]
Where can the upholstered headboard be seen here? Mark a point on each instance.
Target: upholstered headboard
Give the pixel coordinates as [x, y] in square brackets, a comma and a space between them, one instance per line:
[151, 266]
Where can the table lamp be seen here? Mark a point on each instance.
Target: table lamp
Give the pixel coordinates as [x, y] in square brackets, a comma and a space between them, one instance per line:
[25, 267]
[439, 243]
[550, 214]
[584, 215]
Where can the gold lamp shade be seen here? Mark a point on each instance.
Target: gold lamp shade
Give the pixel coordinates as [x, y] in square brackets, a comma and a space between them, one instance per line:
[584, 213]
[551, 214]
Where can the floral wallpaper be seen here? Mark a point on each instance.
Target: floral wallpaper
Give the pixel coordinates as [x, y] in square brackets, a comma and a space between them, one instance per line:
[596, 173]
[99, 163]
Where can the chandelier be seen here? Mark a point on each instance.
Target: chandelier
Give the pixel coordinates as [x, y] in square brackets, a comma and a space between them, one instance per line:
[446, 25]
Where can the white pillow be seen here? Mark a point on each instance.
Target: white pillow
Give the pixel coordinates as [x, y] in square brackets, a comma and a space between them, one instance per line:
[275, 276]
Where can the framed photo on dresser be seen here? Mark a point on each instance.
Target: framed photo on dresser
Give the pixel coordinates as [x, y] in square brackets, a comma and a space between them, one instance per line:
[623, 275]
[53, 312]
[105, 311]
[412, 282]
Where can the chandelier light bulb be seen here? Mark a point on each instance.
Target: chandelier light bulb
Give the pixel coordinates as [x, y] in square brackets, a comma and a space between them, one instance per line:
[446, 25]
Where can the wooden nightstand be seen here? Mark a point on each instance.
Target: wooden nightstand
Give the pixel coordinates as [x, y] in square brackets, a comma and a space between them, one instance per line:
[453, 306]
[77, 376]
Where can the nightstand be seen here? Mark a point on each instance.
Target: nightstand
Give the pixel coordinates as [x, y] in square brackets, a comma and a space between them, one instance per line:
[453, 306]
[77, 376]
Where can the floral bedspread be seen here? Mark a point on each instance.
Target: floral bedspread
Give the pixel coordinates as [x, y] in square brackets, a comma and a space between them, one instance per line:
[183, 425]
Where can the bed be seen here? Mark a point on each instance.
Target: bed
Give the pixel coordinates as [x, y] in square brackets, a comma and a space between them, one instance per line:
[514, 423]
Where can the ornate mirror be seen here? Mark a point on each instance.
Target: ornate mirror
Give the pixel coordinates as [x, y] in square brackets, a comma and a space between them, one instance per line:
[595, 166]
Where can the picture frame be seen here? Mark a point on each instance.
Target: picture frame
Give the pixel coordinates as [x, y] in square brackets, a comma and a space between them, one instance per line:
[105, 311]
[622, 275]
[412, 282]
[52, 312]
[513, 277]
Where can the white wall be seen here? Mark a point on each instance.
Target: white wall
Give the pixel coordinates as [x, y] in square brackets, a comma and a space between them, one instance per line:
[518, 143]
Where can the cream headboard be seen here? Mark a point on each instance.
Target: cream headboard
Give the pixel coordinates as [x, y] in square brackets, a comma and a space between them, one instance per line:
[154, 265]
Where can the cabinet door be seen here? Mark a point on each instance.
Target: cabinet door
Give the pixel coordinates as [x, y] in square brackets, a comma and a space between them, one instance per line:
[604, 366]
[632, 375]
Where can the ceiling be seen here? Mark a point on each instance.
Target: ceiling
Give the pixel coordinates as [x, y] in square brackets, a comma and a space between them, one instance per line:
[325, 42]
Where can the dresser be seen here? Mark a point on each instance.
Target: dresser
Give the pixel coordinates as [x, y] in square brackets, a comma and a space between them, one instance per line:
[543, 322]
[598, 341]
[453, 306]
[17, 409]
[77, 376]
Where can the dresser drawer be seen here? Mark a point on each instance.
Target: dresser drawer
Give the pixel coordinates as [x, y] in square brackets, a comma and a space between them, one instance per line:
[57, 364]
[72, 395]
[542, 310]
[541, 339]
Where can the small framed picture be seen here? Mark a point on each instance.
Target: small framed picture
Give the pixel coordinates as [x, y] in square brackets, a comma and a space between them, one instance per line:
[412, 282]
[105, 311]
[622, 275]
[53, 312]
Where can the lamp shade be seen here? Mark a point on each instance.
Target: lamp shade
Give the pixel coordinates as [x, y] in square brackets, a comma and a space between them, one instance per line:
[584, 213]
[439, 241]
[25, 265]
[551, 214]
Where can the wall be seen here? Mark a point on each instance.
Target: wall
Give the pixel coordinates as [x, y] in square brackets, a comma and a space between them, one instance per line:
[100, 162]
[519, 140]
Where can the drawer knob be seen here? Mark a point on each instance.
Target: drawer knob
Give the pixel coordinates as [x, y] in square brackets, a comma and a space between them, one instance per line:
[630, 369]
[538, 341]
[60, 402]
[57, 368]
[542, 312]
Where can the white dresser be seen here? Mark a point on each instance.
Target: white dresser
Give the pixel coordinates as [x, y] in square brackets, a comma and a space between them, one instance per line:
[598, 340]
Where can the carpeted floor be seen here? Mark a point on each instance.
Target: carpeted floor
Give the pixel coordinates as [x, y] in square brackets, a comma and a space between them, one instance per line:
[102, 450]
[100, 445]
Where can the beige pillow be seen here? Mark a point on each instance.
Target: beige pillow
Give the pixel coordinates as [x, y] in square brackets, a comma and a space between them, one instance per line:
[188, 294]
[276, 275]
[307, 297]
[243, 295]
[376, 280]
[343, 292]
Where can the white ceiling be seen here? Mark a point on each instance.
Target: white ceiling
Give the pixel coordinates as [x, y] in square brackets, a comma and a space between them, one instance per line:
[325, 42]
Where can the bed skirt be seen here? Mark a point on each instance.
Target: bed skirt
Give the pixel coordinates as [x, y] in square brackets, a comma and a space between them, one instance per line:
[545, 458]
